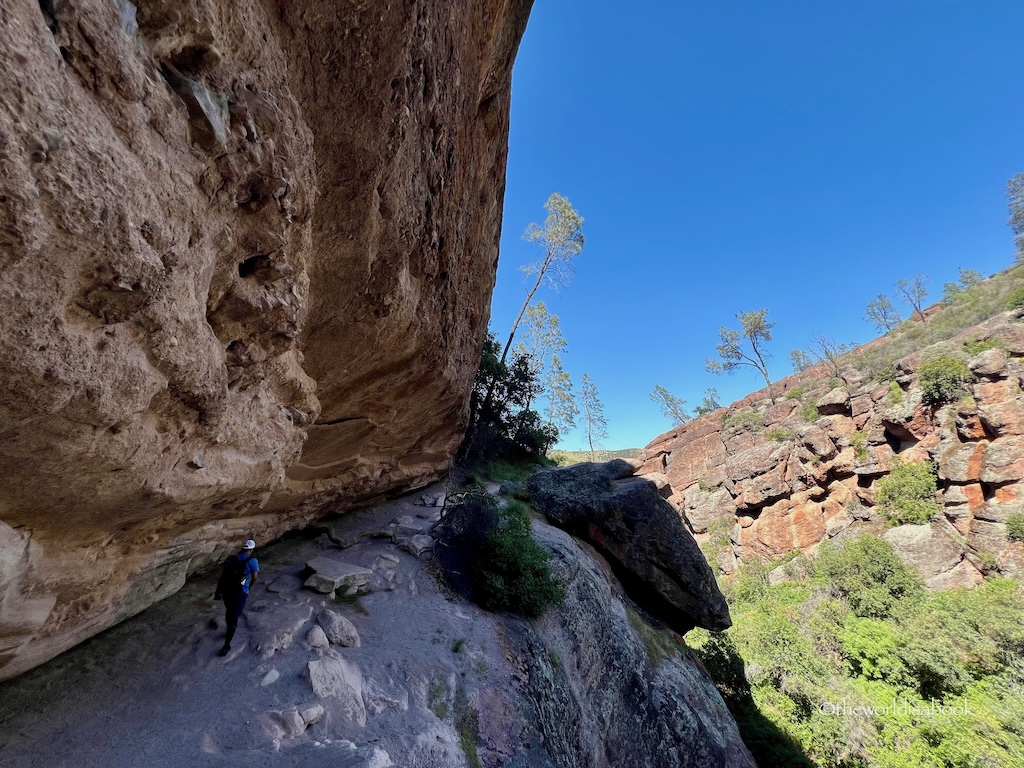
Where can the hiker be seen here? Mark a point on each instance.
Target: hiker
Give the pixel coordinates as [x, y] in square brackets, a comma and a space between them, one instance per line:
[239, 574]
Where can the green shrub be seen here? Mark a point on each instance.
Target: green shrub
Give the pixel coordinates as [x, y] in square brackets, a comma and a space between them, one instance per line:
[859, 441]
[747, 419]
[512, 573]
[895, 395]
[1015, 527]
[796, 392]
[809, 412]
[943, 379]
[869, 574]
[490, 555]
[888, 372]
[977, 346]
[779, 434]
[907, 493]
[1015, 299]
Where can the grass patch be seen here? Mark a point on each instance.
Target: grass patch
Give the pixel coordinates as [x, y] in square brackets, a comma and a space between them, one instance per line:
[895, 395]
[977, 346]
[750, 420]
[809, 412]
[437, 700]
[780, 435]
[458, 645]
[467, 725]
[859, 441]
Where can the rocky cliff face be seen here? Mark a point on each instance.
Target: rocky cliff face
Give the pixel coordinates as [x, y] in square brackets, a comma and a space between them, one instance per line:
[761, 479]
[246, 257]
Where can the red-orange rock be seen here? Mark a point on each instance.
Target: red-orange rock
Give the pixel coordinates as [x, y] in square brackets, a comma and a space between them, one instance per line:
[688, 464]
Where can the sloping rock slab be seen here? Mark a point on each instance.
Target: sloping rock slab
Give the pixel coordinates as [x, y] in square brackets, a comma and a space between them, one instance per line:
[276, 630]
[330, 574]
[642, 537]
[341, 681]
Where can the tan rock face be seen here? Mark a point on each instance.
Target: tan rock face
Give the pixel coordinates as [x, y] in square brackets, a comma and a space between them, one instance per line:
[246, 256]
[797, 482]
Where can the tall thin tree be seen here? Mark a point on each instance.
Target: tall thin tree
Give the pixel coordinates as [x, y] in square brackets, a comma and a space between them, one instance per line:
[561, 240]
[593, 414]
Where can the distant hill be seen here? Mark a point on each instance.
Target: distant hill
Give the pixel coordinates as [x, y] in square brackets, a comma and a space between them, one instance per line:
[565, 458]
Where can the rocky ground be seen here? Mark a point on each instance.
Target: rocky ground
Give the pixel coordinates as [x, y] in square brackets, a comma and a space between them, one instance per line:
[401, 673]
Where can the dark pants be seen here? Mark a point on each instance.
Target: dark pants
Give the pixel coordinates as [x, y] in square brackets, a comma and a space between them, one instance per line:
[233, 607]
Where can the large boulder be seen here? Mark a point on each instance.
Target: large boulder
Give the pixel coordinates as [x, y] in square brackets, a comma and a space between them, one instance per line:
[641, 536]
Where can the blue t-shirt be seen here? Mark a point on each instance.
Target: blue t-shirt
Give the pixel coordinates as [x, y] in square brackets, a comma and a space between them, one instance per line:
[251, 566]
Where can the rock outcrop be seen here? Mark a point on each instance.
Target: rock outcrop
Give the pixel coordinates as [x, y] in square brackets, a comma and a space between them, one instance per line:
[246, 257]
[639, 534]
[761, 479]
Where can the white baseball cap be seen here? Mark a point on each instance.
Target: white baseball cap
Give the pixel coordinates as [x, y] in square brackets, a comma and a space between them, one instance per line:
[250, 544]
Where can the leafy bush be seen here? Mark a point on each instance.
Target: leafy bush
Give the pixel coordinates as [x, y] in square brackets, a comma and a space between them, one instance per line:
[977, 346]
[795, 393]
[869, 574]
[809, 412]
[779, 434]
[895, 395]
[859, 441]
[748, 419]
[490, 555]
[1015, 527]
[1015, 300]
[512, 573]
[907, 493]
[942, 380]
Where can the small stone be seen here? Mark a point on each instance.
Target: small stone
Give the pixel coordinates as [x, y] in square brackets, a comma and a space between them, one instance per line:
[311, 714]
[270, 678]
[410, 526]
[317, 639]
[198, 462]
[285, 584]
[337, 629]
[290, 722]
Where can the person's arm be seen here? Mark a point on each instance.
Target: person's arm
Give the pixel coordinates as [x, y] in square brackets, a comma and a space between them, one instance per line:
[255, 572]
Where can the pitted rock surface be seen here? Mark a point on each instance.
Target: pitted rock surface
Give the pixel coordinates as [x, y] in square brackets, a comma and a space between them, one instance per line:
[247, 251]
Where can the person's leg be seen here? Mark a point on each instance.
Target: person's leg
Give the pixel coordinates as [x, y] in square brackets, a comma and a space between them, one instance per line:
[234, 607]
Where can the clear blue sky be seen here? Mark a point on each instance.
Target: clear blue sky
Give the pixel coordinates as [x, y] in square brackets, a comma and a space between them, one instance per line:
[728, 155]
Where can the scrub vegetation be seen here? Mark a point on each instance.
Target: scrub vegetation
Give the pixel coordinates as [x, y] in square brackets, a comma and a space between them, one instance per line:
[856, 665]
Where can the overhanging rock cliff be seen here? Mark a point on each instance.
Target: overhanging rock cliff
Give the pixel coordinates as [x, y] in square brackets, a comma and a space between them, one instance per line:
[246, 258]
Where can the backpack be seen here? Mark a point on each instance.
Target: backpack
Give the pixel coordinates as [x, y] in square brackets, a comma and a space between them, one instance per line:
[233, 575]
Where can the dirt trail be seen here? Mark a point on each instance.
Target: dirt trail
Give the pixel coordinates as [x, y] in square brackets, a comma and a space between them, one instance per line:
[153, 692]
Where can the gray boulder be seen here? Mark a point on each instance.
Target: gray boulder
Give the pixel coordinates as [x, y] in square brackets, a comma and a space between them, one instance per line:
[641, 536]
